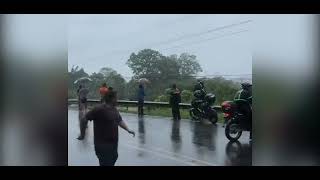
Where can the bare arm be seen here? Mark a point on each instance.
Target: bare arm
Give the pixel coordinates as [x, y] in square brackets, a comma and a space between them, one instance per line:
[124, 126]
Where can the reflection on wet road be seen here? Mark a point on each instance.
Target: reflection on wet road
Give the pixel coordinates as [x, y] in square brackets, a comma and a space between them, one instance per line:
[160, 141]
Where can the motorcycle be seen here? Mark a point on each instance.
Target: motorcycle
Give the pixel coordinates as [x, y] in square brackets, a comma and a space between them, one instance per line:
[201, 107]
[237, 118]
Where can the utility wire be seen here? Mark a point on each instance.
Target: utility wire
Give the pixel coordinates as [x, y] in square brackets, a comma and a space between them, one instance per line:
[182, 37]
[209, 39]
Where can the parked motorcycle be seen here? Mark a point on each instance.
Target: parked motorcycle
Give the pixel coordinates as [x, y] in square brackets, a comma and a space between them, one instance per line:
[201, 107]
[238, 117]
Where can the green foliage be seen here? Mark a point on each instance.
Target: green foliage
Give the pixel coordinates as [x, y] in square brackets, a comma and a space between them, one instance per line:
[186, 96]
[222, 88]
[73, 75]
[106, 75]
[162, 71]
[162, 98]
[188, 65]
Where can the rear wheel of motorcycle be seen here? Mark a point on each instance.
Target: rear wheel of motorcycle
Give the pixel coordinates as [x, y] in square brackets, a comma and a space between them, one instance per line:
[213, 118]
[233, 131]
[193, 115]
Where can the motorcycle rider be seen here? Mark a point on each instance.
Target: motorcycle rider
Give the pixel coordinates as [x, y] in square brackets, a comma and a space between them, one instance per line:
[200, 86]
[246, 94]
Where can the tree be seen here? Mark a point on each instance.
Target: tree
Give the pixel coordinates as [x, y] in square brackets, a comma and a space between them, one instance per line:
[222, 88]
[145, 64]
[114, 80]
[106, 72]
[162, 70]
[188, 65]
[105, 75]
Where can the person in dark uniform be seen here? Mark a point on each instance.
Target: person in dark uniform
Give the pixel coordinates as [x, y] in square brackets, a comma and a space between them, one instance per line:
[106, 119]
[141, 95]
[175, 99]
[246, 94]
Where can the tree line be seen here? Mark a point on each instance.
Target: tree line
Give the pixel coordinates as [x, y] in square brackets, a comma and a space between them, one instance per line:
[161, 70]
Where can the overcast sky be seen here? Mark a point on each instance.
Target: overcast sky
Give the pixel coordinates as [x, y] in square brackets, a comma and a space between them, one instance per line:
[96, 41]
[283, 42]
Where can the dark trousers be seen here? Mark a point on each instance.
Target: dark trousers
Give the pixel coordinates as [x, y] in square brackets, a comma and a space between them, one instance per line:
[107, 154]
[140, 107]
[83, 104]
[176, 112]
[83, 127]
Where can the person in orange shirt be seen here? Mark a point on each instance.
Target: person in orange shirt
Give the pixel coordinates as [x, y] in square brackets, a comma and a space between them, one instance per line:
[103, 91]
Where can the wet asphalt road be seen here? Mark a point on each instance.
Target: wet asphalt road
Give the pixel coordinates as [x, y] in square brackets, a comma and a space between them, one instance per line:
[159, 141]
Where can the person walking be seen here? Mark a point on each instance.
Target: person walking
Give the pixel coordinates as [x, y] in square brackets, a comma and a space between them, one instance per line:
[106, 119]
[141, 96]
[175, 99]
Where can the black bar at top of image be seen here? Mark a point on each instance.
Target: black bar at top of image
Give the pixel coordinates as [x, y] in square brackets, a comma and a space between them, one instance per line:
[156, 7]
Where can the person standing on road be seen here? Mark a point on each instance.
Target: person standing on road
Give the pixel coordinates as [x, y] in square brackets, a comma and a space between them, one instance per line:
[106, 119]
[83, 93]
[80, 86]
[175, 99]
[141, 96]
[103, 91]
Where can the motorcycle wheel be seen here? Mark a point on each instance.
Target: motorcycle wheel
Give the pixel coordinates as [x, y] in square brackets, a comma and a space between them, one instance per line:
[233, 131]
[213, 117]
[194, 114]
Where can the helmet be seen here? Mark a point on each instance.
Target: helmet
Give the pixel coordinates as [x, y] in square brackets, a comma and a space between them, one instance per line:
[246, 85]
[199, 85]
[201, 82]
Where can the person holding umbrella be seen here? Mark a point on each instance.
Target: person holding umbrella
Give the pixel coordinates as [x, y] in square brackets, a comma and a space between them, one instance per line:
[82, 99]
[83, 93]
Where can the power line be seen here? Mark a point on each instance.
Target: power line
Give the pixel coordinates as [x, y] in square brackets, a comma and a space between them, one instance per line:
[182, 37]
[205, 32]
[197, 42]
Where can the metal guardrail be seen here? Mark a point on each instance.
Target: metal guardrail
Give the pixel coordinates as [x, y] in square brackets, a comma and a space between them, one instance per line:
[146, 103]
